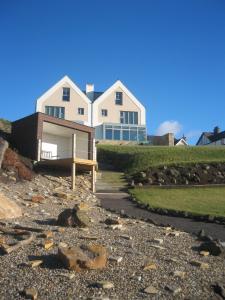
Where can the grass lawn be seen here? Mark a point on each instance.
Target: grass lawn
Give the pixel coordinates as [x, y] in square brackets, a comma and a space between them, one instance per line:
[131, 159]
[113, 178]
[197, 200]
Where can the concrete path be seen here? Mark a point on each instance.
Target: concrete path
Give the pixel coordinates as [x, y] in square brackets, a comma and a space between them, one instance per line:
[118, 202]
[111, 190]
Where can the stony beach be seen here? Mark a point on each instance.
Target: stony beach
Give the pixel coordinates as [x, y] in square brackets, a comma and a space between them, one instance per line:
[144, 261]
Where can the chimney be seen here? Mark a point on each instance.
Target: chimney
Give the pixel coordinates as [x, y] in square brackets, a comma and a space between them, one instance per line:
[216, 130]
[89, 88]
[90, 91]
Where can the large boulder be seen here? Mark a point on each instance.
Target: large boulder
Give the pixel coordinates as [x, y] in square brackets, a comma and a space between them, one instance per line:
[3, 146]
[12, 161]
[73, 217]
[8, 208]
[79, 258]
[213, 247]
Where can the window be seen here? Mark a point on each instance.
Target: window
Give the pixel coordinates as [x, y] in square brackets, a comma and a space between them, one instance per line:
[128, 117]
[119, 98]
[80, 111]
[66, 94]
[55, 111]
[108, 134]
[104, 112]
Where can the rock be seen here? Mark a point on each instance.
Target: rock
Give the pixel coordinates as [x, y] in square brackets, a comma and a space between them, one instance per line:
[104, 284]
[179, 274]
[72, 218]
[114, 227]
[84, 257]
[82, 206]
[219, 289]
[61, 195]
[116, 259]
[151, 290]
[199, 264]
[31, 293]
[173, 290]
[174, 233]
[213, 247]
[150, 266]
[35, 263]
[48, 244]
[3, 146]
[126, 237]
[47, 234]
[158, 241]
[8, 208]
[38, 199]
[204, 253]
[157, 247]
[110, 221]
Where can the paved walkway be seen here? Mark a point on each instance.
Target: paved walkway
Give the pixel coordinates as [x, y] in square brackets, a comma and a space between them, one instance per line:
[120, 201]
[110, 192]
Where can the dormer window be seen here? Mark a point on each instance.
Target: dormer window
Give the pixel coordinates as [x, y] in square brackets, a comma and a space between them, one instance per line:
[119, 98]
[66, 94]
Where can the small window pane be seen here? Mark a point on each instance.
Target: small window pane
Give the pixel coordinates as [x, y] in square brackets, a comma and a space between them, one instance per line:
[116, 134]
[135, 118]
[126, 136]
[108, 134]
[133, 135]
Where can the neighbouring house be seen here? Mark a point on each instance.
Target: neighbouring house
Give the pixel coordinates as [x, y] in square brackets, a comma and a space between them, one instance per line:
[167, 139]
[116, 114]
[214, 138]
[55, 142]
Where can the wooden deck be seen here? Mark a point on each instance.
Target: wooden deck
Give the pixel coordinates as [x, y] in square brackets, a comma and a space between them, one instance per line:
[66, 163]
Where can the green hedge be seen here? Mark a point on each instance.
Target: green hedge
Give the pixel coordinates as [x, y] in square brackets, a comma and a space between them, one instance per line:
[132, 159]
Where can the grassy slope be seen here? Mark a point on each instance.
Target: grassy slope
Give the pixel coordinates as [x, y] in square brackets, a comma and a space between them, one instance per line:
[137, 158]
[5, 125]
[199, 200]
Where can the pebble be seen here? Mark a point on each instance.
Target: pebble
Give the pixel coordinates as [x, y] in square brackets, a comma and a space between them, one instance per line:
[31, 293]
[151, 290]
[199, 264]
[105, 284]
[116, 259]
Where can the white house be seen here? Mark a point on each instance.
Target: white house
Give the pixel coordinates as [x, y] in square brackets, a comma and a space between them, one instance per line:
[116, 114]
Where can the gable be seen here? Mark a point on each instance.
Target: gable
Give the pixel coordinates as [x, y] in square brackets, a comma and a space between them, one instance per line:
[130, 102]
[57, 90]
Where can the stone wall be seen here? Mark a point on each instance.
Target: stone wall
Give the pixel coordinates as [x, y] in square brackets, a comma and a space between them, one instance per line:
[191, 174]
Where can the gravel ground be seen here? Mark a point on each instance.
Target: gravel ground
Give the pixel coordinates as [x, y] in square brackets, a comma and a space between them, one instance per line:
[133, 242]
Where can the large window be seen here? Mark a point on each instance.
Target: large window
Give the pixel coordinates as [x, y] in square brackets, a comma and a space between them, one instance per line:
[119, 98]
[125, 133]
[66, 94]
[128, 117]
[55, 111]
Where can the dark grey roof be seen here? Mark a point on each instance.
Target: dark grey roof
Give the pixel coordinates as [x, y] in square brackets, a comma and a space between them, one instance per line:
[96, 95]
[213, 137]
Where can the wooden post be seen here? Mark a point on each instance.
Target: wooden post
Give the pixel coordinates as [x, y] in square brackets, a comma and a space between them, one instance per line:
[39, 150]
[93, 179]
[73, 177]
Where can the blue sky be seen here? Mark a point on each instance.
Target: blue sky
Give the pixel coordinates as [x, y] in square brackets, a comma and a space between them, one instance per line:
[169, 53]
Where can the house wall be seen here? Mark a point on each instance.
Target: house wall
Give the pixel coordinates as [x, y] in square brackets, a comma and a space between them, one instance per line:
[24, 136]
[71, 107]
[164, 140]
[113, 109]
[61, 147]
